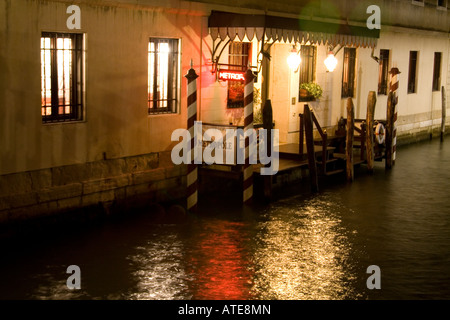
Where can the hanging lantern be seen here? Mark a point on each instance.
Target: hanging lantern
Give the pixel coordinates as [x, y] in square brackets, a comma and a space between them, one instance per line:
[294, 60]
[331, 62]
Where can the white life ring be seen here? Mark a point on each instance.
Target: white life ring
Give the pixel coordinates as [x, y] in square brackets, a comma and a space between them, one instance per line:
[380, 133]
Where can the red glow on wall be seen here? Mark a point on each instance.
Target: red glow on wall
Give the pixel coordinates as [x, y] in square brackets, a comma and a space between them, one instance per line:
[231, 76]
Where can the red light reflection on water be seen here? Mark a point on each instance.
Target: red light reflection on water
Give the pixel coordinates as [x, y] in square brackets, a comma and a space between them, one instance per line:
[220, 264]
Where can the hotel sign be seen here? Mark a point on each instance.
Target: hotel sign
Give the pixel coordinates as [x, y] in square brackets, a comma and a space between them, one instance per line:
[227, 75]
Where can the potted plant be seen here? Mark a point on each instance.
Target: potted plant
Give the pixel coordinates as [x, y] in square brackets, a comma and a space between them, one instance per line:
[310, 91]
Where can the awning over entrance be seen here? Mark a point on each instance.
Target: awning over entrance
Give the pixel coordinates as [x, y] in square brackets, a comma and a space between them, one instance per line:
[226, 24]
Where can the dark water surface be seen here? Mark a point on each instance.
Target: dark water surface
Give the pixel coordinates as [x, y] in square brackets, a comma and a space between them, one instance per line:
[299, 247]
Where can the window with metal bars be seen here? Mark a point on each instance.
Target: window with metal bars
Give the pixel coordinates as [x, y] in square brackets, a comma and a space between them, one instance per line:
[239, 57]
[442, 3]
[437, 71]
[348, 73]
[308, 64]
[412, 73]
[383, 74]
[62, 77]
[163, 66]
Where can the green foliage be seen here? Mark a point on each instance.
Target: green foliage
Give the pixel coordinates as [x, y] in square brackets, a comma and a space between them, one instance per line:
[313, 89]
[257, 108]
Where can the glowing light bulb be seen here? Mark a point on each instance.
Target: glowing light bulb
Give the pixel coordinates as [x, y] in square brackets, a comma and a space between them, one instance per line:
[294, 60]
[331, 62]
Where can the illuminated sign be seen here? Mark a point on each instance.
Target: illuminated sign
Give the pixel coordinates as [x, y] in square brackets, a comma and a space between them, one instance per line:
[231, 75]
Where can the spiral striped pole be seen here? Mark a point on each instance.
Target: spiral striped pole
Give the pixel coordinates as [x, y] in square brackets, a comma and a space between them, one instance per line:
[393, 87]
[192, 174]
[248, 127]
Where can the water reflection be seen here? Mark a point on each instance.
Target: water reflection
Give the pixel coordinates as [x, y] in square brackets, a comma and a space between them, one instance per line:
[218, 261]
[302, 247]
[158, 271]
[303, 253]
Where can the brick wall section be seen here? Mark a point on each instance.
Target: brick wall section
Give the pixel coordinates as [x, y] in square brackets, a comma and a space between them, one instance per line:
[150, 177]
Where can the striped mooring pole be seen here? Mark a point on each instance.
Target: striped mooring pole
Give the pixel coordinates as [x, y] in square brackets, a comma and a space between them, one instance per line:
[192, 169]
[393, 87]
[248, 127]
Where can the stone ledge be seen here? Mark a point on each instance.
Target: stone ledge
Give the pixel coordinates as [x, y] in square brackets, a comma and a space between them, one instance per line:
[18, 200]
[61, 192]
[148, 176]
[96, 198]
[93, 186]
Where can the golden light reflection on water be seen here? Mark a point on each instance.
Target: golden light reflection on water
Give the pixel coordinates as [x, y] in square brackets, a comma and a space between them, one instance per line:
[158, 271]
[305, 259]
[298, 250]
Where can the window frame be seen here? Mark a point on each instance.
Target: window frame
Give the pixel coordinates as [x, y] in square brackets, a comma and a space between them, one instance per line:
[442, 7]
[173, 82]
[436, 84]
[349, 91]
[77, 78]
[307, 72]
[246, 54]
[412, 72]
[383, 72]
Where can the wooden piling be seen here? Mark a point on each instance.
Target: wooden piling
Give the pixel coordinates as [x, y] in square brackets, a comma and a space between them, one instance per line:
[444, 111]
[349, 140]
[389, 130]
[192, 168]
[268, 126]
[308, 121]
[301, 138]
[370, 157]
[248, 126]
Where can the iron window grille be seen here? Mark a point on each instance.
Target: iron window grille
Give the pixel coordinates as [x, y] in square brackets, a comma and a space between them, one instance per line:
[239, 58]
[437, 71]
[308, 66]
[412, 73]
[163, 66]
[348, 73]
[383, 74]
[62, 77]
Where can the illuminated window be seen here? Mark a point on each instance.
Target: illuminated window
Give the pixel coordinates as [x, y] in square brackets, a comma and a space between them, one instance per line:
[163, 65]
[238, 59]
[62, 77]
[383, 74]
[308, 64]
[348, 73]
[412, 74]
[437, 71]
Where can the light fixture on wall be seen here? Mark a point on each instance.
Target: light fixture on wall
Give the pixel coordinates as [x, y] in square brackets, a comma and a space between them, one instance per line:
[331, 62]
[294, 59]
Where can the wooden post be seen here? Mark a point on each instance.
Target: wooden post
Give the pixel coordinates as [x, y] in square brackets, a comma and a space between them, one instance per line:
[324, 152]
[248, 126]
[370, 157]
[310, 148]
[389, 130]
[192, 174]
[362, 152]
[393, 87]
[268, 125]
[444, 111]
[350, 137]
[301, 136]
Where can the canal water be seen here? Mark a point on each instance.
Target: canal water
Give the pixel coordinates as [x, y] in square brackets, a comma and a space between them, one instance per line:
[299, 247]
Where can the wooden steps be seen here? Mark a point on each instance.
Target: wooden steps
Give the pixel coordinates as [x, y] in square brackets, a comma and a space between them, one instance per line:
[334, 172]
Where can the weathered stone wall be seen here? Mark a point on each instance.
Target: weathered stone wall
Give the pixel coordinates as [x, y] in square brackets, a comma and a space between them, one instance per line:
[143, 179]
